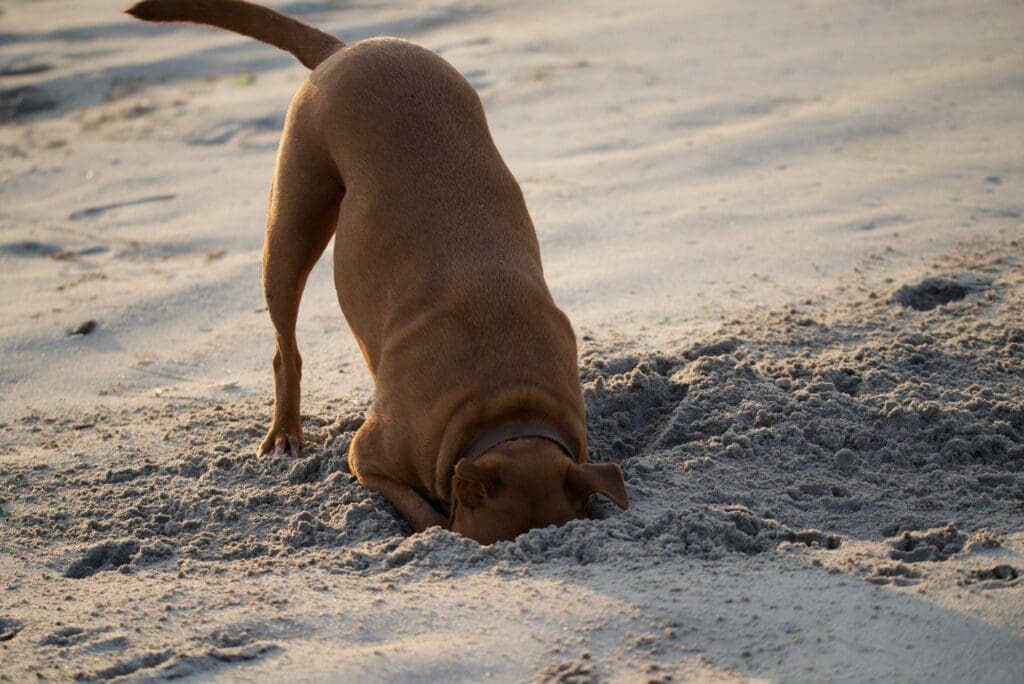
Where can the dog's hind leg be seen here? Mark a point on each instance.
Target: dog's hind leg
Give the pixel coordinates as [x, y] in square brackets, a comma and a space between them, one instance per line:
[301, 219]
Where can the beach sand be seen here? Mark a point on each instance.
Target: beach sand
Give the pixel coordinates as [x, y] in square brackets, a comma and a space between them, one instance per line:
[789, 236]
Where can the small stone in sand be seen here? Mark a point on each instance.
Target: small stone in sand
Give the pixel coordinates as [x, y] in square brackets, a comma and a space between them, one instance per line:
[84, 328]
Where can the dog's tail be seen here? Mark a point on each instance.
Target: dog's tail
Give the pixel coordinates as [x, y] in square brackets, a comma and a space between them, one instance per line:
[311, 46]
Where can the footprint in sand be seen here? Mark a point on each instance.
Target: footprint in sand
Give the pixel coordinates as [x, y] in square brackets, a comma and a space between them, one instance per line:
[930, 545]
[224, 132]
[24, 68]
[9, 628]
[27, 249]
[93, 212]
[63, 636]
[24, 101]
[106, 556]
[1002, 574]
[937, 290]
[882, 222]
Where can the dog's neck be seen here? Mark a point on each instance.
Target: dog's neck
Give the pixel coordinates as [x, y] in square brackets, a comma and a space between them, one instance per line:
[513, 431]
[479, 415]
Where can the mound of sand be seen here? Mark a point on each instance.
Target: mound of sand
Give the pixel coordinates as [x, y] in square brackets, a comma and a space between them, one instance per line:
[873, 422]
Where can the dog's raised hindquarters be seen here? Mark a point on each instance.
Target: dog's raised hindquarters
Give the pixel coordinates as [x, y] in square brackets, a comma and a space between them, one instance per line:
[477, 420]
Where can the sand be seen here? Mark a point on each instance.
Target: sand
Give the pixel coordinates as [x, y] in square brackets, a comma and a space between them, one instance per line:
[790, 239]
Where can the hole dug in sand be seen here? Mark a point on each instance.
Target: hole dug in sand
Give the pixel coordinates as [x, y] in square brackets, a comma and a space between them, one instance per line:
[937, 290]
[105, 556]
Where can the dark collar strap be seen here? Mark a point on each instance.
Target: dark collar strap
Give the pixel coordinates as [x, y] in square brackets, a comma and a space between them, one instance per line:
[511, 431]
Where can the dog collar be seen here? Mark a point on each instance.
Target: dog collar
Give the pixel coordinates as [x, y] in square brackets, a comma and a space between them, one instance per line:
[513, 431]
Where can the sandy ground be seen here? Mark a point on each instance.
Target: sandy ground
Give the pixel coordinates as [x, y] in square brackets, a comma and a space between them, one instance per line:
[789, 236]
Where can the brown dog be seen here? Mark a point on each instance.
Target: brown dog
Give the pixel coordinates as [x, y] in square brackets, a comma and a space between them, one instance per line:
[478, 414]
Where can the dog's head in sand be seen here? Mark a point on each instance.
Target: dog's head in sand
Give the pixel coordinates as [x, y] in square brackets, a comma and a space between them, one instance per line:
[523, 484]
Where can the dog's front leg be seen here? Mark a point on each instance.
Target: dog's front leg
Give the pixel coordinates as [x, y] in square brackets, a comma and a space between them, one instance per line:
[416, 510]
[369, 463]
[301, 219]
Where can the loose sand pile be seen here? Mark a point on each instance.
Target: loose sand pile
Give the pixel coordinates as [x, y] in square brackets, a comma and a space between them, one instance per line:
[872, 422]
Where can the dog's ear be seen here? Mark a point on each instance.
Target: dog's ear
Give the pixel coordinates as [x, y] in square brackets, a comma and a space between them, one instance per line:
[604, 478]
[473, 483]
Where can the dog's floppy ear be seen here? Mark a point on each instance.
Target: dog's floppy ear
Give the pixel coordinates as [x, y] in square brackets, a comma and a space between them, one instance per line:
[605, 478]
[473, 482]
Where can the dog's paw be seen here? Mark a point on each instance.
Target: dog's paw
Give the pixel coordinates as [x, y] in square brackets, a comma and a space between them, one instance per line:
[280, 440]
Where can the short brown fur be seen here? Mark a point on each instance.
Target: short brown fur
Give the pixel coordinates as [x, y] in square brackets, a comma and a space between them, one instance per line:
[438, 273]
